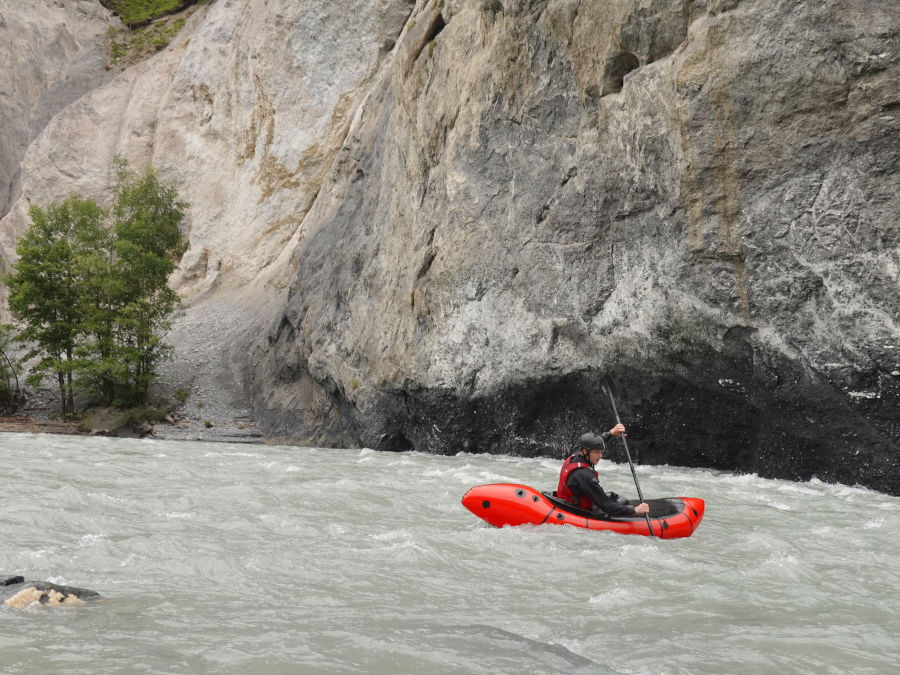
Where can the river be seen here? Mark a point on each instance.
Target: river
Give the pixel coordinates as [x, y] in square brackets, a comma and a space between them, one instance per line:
[228, 558]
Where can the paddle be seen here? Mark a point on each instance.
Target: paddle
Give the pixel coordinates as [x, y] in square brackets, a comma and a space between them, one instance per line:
[628, 454]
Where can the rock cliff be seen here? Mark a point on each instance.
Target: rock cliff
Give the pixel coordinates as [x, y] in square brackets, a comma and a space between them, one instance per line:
[442, 223]
[50, 54]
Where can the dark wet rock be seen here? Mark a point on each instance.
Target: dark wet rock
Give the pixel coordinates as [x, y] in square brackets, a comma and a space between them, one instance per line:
[18, 593]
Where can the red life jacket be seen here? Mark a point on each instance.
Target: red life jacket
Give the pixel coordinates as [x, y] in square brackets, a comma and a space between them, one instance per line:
[576, 461]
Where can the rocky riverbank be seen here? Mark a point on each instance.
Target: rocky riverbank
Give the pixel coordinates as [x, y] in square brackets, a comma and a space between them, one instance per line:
[26, 424]
[107, 422]
[201, 386]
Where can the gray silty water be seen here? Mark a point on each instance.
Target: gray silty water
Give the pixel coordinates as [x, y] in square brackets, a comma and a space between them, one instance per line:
[267, 559]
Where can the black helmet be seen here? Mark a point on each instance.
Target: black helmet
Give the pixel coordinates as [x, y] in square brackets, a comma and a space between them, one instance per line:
[591, 442]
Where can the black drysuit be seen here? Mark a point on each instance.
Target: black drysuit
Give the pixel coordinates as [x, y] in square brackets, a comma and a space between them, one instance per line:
[583, 482]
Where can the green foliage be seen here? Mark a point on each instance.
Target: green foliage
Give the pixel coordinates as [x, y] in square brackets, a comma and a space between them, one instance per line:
[181, 395]
[118, 47]
[208, 424]
[141, 415]
[140, 39]
[132, 303]
[45, 287]
[140, 12]
[147, 216]
[100, 296]
[9, 379]
[93, 294]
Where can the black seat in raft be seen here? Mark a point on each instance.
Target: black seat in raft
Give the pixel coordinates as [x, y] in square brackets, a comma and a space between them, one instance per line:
[659, 508]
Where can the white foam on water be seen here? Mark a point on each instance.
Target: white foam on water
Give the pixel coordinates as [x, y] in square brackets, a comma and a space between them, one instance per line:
[294, 557]
[91, 539]
[614, 598]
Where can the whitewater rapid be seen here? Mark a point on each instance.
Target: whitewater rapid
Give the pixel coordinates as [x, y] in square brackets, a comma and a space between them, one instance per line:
[268, 559]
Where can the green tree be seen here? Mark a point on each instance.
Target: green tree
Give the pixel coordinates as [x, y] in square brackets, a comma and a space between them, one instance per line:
[45, 286]
[94, 300]
[98, 364]
[147, 216]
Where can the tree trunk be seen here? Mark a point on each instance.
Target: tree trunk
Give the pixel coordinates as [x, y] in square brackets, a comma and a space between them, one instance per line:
[63, 399]
[70, 393]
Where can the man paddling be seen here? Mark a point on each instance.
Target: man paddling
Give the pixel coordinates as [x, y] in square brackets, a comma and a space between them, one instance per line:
[579, 483]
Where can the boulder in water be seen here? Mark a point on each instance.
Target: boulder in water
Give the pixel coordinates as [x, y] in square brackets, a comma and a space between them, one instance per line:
[18, 593]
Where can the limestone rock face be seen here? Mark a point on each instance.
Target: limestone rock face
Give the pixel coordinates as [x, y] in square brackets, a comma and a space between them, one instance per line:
[244, 111]
[699, 199]
[438, 225]
[50, 54]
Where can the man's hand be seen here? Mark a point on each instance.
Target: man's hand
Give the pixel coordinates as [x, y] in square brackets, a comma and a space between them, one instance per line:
[642, 508]
[618, 429]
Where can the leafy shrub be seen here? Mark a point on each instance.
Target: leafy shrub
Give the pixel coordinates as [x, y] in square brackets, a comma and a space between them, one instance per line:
[135, 13]
[137, 41]
[142, 415]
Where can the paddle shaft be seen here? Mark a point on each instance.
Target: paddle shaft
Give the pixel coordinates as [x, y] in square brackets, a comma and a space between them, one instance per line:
[628, 455]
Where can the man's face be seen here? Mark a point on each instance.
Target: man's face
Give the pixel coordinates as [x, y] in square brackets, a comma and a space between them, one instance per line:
[595, 456]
